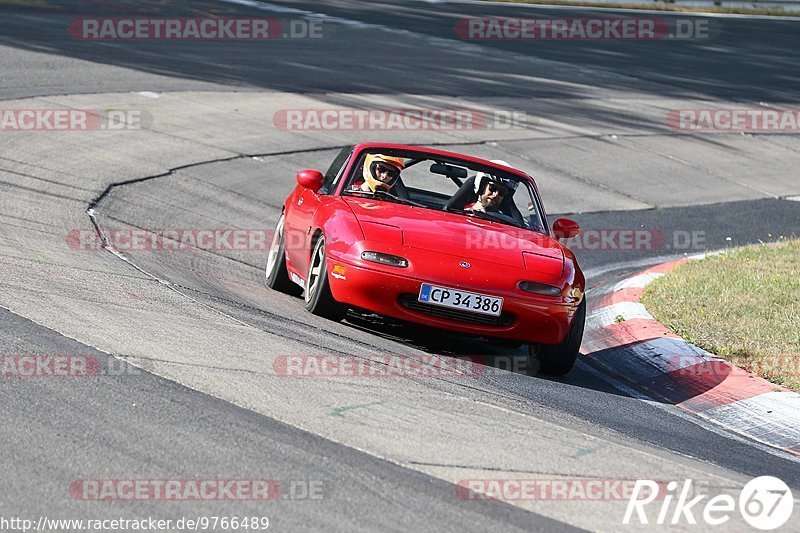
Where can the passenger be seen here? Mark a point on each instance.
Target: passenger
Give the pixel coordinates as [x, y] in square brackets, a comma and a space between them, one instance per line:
[380, 172]
[491, 192]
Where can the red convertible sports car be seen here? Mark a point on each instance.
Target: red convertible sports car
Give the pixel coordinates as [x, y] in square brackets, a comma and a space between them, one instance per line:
[436, 238]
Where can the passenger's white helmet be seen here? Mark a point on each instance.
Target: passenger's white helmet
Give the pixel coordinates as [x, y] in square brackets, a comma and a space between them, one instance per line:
[481, 178]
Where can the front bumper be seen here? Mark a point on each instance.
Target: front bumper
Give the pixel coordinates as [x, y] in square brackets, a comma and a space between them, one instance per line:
[526, 317]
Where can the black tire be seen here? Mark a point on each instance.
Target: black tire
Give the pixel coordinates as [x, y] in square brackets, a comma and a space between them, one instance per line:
[318, 297]
[558, 359]
[276, 272]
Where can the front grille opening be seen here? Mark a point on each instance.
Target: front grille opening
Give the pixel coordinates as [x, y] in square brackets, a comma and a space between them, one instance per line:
[409, 301]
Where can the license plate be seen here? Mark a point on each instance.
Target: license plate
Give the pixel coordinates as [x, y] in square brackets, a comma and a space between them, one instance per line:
[456, 299]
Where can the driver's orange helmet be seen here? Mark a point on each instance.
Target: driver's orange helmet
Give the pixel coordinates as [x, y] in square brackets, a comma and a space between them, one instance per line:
[369, 170]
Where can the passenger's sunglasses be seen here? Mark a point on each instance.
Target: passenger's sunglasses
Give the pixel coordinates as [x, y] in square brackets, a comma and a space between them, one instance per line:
[499, 189]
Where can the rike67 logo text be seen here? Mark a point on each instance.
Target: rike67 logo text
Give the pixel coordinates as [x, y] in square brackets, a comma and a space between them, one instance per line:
[765, 503]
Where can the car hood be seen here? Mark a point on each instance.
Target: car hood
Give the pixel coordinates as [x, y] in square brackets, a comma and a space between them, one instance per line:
[457, 235]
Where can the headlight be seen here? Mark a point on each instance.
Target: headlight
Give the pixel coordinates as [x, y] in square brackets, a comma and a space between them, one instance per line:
[384, 259]
[539, 288]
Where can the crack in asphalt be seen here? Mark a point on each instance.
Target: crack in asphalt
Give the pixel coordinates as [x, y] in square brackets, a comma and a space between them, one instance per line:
[173, 170]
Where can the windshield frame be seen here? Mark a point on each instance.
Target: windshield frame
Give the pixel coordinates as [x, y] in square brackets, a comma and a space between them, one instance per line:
[416, 156]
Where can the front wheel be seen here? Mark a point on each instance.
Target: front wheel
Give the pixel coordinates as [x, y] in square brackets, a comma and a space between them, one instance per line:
[276, 271]
[319, 299]
[558, 359]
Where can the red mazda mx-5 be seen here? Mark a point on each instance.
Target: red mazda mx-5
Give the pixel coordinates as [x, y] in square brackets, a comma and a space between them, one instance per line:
[436, 238]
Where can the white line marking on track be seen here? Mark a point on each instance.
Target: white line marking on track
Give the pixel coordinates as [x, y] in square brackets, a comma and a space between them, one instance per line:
[605, 316]
[637, 282]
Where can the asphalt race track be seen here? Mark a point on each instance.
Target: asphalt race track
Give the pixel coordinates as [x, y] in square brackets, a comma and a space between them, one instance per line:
[186, 342]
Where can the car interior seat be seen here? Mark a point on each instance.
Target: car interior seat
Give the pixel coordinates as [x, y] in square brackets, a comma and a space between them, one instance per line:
[400, 190]
[464, 196]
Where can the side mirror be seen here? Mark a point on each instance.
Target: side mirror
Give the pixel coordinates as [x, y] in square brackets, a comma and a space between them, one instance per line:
[564, 228]
[310, 179]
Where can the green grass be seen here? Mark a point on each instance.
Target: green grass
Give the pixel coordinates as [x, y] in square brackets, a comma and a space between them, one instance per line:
[660, 6]
[743, 305]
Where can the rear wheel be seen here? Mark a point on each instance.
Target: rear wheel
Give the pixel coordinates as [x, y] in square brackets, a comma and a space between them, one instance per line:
[276, 272]
[558, 359]
[319, 299]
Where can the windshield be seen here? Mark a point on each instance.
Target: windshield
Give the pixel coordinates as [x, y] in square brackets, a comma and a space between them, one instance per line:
[445, 184]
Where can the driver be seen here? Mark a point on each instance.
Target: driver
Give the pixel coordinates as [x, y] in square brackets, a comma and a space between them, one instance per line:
[380, 172]
[491, 191]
